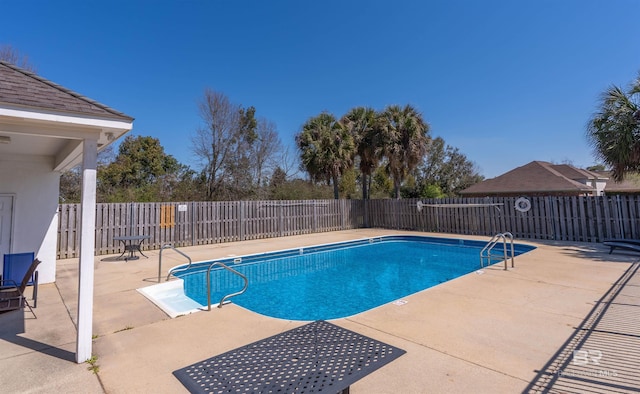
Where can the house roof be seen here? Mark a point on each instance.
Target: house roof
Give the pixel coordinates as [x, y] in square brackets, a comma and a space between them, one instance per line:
[42, 122]
[536, 177]
[630, 183]
[21, 88]
[574, 173]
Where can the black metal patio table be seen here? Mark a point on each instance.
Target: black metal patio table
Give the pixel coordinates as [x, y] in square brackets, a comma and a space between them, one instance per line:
[132, 244]
[318, 357]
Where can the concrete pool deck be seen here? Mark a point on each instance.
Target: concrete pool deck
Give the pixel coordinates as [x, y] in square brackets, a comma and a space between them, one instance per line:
[491, 332]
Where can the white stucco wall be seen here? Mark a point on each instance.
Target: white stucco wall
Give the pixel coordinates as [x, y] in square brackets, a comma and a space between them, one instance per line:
[35, 218]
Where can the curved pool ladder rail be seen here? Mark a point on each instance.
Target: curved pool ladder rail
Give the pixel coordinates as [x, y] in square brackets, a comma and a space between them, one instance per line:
[244, 288]
[174, 269]
[486, 251]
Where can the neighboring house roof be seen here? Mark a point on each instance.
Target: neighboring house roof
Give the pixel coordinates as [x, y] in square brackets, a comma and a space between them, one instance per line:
[22, 88]
[630, 183]
[574, 173]
[537, 177]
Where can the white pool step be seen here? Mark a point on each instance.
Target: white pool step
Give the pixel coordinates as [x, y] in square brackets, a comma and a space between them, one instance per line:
[170, 297]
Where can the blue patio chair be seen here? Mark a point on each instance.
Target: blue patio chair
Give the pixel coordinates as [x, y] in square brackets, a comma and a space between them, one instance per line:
[12, 294]
[16, 266]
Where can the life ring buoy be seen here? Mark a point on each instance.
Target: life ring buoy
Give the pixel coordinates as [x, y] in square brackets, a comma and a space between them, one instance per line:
[523, 204]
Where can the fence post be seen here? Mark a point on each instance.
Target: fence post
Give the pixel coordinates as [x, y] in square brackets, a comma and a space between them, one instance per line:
[131, 217]
[241, 221]
[193, 223]
[619, 216]
[366, 213]
[314, 224]
[394, 215]
[280, 218]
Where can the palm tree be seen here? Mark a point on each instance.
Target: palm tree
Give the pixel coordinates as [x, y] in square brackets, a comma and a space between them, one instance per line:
[326, 149]
[614, 131]
[361, 123]
[405, 141]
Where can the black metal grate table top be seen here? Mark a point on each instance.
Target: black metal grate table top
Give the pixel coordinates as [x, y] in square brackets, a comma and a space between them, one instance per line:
[318, 357]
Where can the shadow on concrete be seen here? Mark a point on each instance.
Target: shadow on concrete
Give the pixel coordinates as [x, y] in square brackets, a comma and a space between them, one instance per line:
[593, 251]
[603, 353]
[114, 259]
[12, 324]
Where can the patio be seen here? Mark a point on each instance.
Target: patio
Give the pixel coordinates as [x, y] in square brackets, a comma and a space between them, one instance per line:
[479, 333]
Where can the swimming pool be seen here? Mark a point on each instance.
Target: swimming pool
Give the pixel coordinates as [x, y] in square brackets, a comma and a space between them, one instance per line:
[337, 280]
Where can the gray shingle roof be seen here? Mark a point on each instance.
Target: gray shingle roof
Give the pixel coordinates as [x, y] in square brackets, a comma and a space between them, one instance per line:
[572, 172]
[19, 87]
[534, 178]
[630, 183]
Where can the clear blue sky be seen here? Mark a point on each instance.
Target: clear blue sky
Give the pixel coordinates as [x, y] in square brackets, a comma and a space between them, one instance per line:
[506, 82]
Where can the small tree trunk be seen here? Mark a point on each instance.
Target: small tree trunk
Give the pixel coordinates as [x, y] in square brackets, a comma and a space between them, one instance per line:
[336, 190]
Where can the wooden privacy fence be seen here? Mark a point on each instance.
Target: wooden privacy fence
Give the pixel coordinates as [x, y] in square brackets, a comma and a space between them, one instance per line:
[201, 223]
[583, 219]
[570, 218]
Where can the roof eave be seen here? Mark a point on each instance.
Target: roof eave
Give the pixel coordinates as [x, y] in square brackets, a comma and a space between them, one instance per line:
[29, 74]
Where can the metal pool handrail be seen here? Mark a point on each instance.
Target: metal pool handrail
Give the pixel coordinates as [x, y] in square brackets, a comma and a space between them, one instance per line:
[174, 269]
[489, 246]
[246, 284]
[510, 236]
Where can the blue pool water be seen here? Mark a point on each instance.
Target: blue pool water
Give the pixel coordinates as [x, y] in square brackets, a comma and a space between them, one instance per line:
[338, 280]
